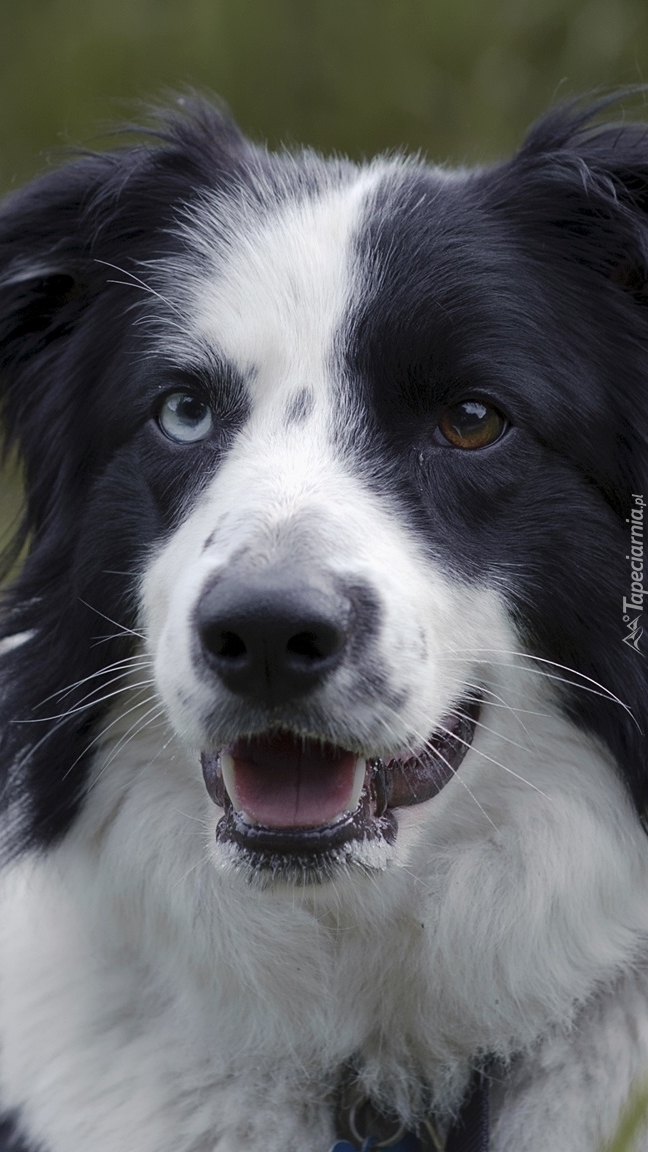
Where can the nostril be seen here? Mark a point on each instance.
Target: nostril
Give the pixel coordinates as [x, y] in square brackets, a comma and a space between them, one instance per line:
[221, 643]
[314, 646]
[304, 644]
[229, 646]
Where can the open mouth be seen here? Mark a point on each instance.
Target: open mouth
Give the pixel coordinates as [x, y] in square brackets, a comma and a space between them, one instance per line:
[285, 795]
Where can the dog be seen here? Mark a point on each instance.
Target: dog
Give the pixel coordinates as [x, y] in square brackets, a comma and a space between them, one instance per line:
[324, 691]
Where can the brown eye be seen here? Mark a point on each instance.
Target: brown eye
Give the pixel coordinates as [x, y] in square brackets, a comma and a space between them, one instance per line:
[470, 425]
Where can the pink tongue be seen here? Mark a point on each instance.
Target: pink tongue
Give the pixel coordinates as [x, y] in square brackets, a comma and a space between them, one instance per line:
[287, 782]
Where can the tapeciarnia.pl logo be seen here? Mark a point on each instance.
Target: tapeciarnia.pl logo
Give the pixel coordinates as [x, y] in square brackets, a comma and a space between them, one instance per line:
[633, 605]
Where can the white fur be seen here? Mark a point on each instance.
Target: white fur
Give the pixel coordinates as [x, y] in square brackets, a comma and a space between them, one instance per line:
[155, 992]
[152, 997]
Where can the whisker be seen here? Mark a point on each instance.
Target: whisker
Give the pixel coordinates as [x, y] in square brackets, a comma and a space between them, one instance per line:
[92, 700]
[423, 742]
[413, 876]
[134, 280]
[138, 725]
[31, 751]
[457, 775]
[123, 630]
[97, 640]
[100, 735]
[480, 724]
[136, 662]
[493, 700]
[524, 656]
[134, 729]
[125, 672]
[492, 760]
[197, 819]
[502, 703]
[200, 863]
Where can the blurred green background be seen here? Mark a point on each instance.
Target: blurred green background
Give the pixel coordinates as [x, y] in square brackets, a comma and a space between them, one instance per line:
[459, 79]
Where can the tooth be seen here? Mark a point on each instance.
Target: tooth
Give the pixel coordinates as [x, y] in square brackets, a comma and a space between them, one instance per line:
[229, 780]
[359, 774]
[229, 777]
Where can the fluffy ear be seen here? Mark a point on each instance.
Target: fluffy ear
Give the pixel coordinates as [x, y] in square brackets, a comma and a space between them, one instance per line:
[598, 177]
[61, 239]
[576, 198]
[45, 286]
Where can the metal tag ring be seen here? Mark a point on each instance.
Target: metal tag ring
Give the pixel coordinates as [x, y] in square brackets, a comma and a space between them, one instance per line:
[398, 1135]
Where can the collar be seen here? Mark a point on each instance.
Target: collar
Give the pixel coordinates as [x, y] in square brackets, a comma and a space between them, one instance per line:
[365, 1128]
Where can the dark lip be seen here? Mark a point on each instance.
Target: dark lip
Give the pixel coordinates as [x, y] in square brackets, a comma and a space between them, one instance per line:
[389, 784]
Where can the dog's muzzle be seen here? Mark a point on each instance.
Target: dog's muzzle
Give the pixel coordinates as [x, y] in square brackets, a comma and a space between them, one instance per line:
[287, 793]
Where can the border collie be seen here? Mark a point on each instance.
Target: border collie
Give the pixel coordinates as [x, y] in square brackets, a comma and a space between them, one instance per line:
[323, 684]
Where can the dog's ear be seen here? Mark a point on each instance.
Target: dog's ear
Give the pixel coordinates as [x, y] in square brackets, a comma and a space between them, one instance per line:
[46, 280]
[42, 260]
[584, 187]
[575, 198]
[615, 177]
[55, 229]
[64, 241]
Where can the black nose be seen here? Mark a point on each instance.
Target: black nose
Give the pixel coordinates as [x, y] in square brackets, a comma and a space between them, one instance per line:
[272, 639]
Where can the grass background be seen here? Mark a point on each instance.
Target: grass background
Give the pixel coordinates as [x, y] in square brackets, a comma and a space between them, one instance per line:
[459, 78]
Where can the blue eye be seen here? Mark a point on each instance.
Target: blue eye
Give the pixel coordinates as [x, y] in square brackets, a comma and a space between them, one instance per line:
[185, 419]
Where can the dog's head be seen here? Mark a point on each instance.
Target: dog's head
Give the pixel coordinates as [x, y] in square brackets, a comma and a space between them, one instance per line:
[313, 453]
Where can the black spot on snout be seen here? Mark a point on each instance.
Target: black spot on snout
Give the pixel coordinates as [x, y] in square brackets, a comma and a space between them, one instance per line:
[213, 534]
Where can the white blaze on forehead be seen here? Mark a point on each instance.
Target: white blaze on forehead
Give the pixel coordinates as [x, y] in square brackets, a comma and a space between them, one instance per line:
[270, 292]
[281, 283]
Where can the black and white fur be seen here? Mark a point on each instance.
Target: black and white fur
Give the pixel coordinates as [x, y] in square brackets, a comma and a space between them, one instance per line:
[157, 994]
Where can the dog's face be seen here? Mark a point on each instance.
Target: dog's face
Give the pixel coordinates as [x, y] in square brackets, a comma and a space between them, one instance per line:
[339, 445]
[313, 639]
